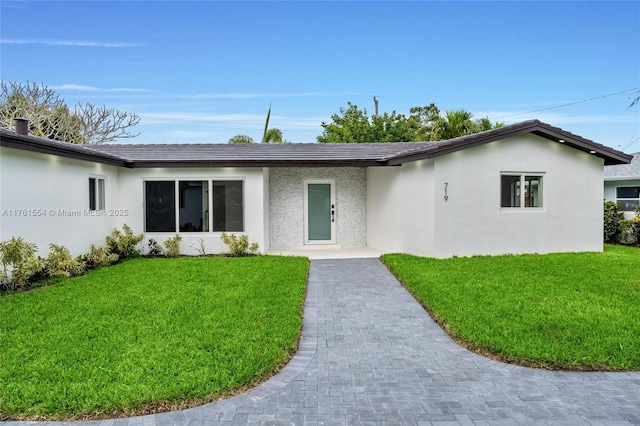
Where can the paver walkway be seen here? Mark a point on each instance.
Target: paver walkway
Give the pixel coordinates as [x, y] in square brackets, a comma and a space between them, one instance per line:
[371, 355]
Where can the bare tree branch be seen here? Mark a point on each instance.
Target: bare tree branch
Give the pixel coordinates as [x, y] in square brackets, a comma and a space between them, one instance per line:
[102, 124]
[51, 118]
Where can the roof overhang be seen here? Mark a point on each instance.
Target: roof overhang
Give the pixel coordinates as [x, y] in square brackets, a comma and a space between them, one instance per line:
[609, 155]
[620, 178]
[60, 149]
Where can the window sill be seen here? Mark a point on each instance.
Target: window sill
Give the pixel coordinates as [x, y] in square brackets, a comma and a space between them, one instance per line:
[523, 210]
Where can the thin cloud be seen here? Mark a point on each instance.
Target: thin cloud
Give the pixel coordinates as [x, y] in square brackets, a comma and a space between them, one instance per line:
[245, 121]
[83, 88]
[260, 95]
[73, 43]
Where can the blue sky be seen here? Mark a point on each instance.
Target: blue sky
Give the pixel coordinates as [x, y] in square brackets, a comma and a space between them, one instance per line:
[204, 71]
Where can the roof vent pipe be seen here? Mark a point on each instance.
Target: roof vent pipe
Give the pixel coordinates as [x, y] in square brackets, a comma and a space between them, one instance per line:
[22, 126]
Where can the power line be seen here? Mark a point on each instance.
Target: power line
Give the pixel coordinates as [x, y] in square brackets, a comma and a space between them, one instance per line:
[568, 104]
[632, 142]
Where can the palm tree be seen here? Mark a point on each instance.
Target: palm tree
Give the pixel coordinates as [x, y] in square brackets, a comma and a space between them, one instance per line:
[459, 123]
[453, 124]
[241, 139]
[272, 136]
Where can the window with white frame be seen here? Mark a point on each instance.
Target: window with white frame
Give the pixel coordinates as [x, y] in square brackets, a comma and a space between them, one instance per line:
[628, 197]
[96, 193]
[520, 190]
[185, 206]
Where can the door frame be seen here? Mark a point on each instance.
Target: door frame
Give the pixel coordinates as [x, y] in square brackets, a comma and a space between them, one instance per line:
[332, 183]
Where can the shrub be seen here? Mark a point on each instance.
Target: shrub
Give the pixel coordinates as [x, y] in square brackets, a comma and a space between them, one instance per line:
[628, 232]
[124, 243]
[172, 246]
[612, 217]
[60, 263]
[154, 248]
[239, 245]
[18, 261]
[200, 247]
[636, 224]
[99, 256]
[31, 270]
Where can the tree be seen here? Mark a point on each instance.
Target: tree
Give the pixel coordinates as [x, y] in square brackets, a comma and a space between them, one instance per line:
[424, 118]
[459, 123]
[241, 139]
[352, 126]
[426, 123]
[271, 135]
[51, 118]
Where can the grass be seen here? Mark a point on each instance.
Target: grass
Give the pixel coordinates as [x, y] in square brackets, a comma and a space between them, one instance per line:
[575, 311]
[148, 335]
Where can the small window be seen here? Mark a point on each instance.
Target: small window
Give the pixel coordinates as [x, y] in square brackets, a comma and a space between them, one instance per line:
[628, 197]
[96, 193]
[520, 190]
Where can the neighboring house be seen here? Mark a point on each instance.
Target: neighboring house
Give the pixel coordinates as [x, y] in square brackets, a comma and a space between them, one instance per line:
[622, 184]
[523, 188]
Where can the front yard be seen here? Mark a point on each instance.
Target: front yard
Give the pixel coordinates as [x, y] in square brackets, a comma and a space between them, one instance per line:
[148, 335]
[152, 335]
[578, 311]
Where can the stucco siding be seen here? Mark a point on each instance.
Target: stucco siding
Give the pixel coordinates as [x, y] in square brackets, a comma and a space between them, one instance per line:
[400, 208]
[132, 195]
[286, 205]
[472, 222]
[45, 199]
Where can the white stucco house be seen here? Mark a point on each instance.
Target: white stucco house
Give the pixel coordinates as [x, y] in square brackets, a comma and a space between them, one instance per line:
[622, 184]
[523, 188]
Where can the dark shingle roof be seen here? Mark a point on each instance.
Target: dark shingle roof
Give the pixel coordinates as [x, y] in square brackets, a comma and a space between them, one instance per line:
[624, 171]
[300, 155]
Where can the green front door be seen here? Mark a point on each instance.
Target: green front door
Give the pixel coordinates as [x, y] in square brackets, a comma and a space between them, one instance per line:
[320, 213]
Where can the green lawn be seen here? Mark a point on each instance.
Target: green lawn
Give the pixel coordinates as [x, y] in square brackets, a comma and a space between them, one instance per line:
[148, 335]
[568, 311]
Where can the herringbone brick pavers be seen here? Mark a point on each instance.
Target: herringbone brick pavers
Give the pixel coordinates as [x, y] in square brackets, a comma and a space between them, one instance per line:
[370, 355]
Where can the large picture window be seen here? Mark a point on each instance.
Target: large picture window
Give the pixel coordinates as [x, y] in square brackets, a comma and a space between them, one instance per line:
[198, 206]
[628, 197]
[521, 190]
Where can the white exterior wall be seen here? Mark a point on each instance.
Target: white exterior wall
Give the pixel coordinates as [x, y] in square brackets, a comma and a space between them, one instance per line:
[610, 191]
[266, 238]
[472, 222]
[394, 209]
[45, 199]
[400, 208]
[132, 195]
[286, 205]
